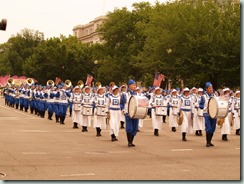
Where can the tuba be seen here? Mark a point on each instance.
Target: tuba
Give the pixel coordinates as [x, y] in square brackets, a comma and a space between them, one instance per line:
[68, 83]
[10, 81]
[50, 83]
[29, 81]
[98, 84]
[80, 83]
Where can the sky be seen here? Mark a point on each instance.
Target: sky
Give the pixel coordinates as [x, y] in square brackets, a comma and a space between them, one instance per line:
[55, 17]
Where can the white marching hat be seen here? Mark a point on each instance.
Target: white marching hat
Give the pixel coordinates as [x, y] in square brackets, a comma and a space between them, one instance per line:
[174, 90]
[158, 88]
[185, 89]
[200, 90]
[226, 89]
[115, 87]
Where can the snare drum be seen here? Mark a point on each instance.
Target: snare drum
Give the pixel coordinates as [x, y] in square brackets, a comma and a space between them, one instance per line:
[77, 107]
[101, 111]
[161, 111]
[217, 108]
[200, 112]
[87, 110]
[138, 107]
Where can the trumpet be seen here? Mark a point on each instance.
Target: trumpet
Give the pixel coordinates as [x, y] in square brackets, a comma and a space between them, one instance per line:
[50, 83]
[68, 83]
[80, 83]
[10, 82]
[29, 81]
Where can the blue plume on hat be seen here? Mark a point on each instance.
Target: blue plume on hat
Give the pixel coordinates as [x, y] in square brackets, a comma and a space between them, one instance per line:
[131, 82]
[208, 84]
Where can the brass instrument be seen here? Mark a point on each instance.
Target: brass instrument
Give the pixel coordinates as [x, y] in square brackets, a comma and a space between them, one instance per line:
[10, 81]
[68, 83]
[50, 83]
[180, 118]
[98, 84]
[29, 81]
[80, 83]
[111, 84]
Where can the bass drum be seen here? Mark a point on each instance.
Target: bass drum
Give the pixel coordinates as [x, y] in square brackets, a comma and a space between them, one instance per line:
[138, 107]
[217, 108]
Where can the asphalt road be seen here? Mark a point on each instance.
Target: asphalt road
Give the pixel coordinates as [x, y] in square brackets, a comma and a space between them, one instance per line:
[32, 148]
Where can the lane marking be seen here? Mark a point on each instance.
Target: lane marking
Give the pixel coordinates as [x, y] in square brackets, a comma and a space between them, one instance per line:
[182, 150]
[237, 148]
[94, 153]
[83, 174]
[185, 170]
[35, 131]
[118, 152]
[34, 153]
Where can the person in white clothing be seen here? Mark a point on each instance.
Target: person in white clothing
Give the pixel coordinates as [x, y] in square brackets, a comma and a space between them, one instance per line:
[174, 110]
[139, 93]
[87, 102]
[76, 99]
[236, 111]
[186, 108]
[155, 102]
[113, 104]
[123, 90]
[225, 128]
[198, 120]
[101, 110]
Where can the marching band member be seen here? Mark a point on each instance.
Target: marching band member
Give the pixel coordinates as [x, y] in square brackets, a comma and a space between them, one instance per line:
[87, 102]
[165, 98]
[198, 120]
[186, 108]
[42, 102]
[56, 100]
[16, 91]
[113, 104]
[236, 112]
[156, 101]
[62, 103]
[76, 99]
[26, 97]
[131, 124]
[21, 97]
[32, 98]
[225, 128]
[174, 110]
[50, 102]
[139, 93]
[123, 90]
[210, 123]
[101, 110]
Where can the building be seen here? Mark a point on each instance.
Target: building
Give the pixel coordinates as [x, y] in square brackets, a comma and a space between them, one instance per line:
[88, 33]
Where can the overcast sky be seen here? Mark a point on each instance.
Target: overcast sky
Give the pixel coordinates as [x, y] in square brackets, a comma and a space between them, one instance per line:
[54, 17]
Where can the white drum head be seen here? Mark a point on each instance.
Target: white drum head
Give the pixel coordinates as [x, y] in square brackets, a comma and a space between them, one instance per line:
[132, 106]
[213, 107]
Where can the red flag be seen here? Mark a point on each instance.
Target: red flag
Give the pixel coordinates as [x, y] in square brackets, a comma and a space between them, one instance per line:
[158, 78]
[89, 79]
[57, 80]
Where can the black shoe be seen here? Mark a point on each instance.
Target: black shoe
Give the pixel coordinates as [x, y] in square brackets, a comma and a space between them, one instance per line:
[238, 132]
[112, 137]
[122, 124]
[184, 136]
[83, 129]
[173, 129]
[200, 132]
[208, 145]
[156, 132]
